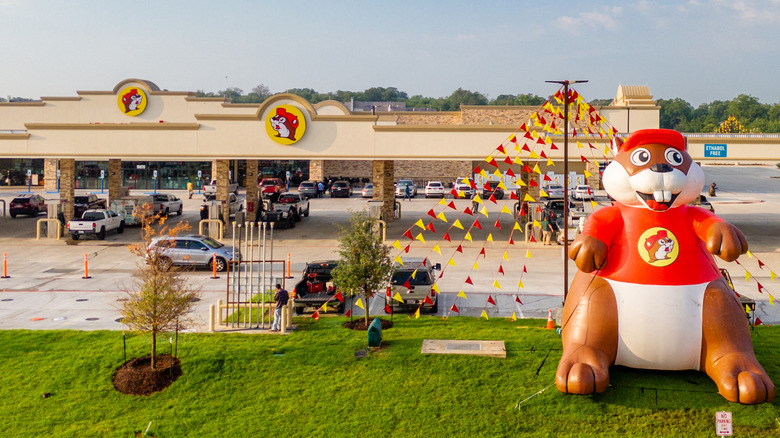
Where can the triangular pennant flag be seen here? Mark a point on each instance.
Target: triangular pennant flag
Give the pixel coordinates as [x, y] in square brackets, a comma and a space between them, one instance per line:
[750, 254]
[420, 238]
[359, 303]
[490, 237]
[482, 252]
[407, 284]
[760, 288]
[513, 318]
[501, 149]
[760, 264]
[484, 315]
[406, 250]
[435, 288]
[457, 224]
[414, 273]
[496, 284]
[543, 194]
[758, 321]
[528, 198]
[442, 217]
[475, 267]
[747, 276]
[537, 170]
[533, 183]
[520, 284]
[772, 275]
[454, 308]
[388, 309]
[431, 213]
[517, 299]
[397, 244]
[505, 209]
[517, 227]
[430, 227]
[428, 300]
[446, 237]
[483, 210]
[339, 297]
[492, 199]
[408, 233]
[459, 249]
[316, 315]
[771, 299]
[477, 199]
[497, 224]
[506, 255]
[468, 280]
[511, 240]
[420, 224]
[417, 313]
[477, 224]
[525, 271]
[490, 300]
[451, 262]
[513, 196]
[547, 177]
[468, 211]
[467, 236]
[398, 260]
[436, 248]
[537, 224]
[462, 295]
[398, 297]
[443, 201]
[501, 269]
[528, 254]
[531, 239]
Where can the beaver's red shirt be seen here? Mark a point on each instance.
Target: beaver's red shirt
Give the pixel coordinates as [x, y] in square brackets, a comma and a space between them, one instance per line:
[620, 227]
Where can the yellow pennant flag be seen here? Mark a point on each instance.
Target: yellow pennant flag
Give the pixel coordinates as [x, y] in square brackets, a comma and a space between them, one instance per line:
[467, 236]
[457, 224]
[501, 185]
[442, 217]
[483, 173]
[462, 295]
[417, 313]
[484, 314]
[477, 199]
[435, 288]
[420, 223]
[504, 209]
[528, 254]
[506, 255]
[420, 238]
[513, 318]
[397, 244]
[528, 198]
[359, 303]
[542, 193]
[771, 299]
[518, 161]
[490, 237]
[520, 284]
[436, 248]
[747, 276]
[550, 163]
[398, 297]
[483, 210]
[414, 273]
[534, 155]
[537, 224]
[496, 284]
[451, 262]
[521, 183]
[517, 227]
[536, 169]
[750, 254]
[772, 274]
[324, 308]
[579, 145]
[587, 174]
[398, 260]
[442, 201]
[593, 204]
[747, 308]
[475, 267]
[497, 173]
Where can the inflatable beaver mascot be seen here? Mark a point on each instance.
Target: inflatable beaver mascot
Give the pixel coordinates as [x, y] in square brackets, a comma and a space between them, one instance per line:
[648, 293]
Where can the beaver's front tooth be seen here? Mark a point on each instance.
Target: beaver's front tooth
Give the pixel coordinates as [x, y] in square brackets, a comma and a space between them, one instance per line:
[658, 195]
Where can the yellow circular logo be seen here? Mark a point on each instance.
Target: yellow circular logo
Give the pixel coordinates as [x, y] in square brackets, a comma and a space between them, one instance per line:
[132, 101]
[658, 247]
[285, 124]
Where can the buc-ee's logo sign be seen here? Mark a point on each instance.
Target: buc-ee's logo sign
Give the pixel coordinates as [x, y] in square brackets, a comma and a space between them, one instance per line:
[285, 124]
[132, 101]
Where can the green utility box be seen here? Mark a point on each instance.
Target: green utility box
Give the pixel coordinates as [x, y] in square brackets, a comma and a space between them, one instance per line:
[375, 333]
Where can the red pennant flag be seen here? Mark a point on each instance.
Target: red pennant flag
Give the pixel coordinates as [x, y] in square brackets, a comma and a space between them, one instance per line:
[468, 211]
[431, 213]
[542, 121]
[477, 169]
[454, 308]
[533, 183]
[408, 234]
[759, 287]
[501, 269]
[424, 262]
[407, 285]
[316, 315]
[510, 173]
[525, 271]
[482, 252]
[459, 249]
[517, 299]
[430, 227]
[526, 148]
[490, 300]
[486, 186]
[388, 292]
[492, 199]
[493, 162]
[543, 155]
[553, 147]
[447, 237]
[339, 297]
[528, 136]
[758, 321]
[452, 205]
[760, 264]
[574, 132]
[501, 149]
[512, 195]
[527, 169]
[427, 300]
[473, 184]
[508, 160]
[531, 239]
[513, 139]
[477, 224]
[497, 225]
[454, 193]
[538, 209]
[511, 241]
[591, 146]
[468, 280]
[540, 141]
[406, 250]
[547, 177]
[388, 310]
[584, 160]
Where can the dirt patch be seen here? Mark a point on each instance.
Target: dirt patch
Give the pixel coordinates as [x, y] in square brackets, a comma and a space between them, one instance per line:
[136, 377]
[360, 324]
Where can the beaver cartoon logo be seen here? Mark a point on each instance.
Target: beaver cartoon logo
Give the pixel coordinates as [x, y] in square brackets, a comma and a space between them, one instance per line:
[659, 245]
[132, 101]
[285, 124]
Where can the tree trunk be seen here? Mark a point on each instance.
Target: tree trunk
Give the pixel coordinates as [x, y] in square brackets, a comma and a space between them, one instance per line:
[154, 347]
[368, 296]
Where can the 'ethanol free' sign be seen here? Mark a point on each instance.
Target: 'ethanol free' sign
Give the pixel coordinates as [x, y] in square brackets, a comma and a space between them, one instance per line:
[714, 150]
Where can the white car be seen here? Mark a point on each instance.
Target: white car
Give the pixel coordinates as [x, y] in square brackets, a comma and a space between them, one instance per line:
[400, 188]
[554, 191]
[434, 188]
[582, 192]
[464, 189]
[368, 191]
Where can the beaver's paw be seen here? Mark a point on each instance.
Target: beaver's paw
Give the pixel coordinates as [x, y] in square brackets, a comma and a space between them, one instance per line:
[742, 379]
[584, 371]
[726, 241]
[588, 253]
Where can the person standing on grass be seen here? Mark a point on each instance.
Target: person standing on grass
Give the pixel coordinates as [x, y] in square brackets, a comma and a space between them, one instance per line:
[280, 298]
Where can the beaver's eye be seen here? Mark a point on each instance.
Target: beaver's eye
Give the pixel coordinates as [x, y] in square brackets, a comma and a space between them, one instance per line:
[640, 157]
[673, 156]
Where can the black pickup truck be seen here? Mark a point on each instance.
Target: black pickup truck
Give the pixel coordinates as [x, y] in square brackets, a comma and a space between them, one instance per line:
[316, 287]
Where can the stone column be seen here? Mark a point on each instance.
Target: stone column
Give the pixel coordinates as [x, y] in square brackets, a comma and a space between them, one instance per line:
[223, 188]
[594, 180]
[251, 190]
[50, 166]
[383, 177]
[316, 170]
[213, 171]
[67, 186]
[115, 189]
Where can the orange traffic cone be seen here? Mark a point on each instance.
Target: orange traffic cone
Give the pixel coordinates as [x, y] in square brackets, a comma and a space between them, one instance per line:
[550, 322]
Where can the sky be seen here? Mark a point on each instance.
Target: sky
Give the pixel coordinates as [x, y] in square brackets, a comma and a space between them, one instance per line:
[697, 50]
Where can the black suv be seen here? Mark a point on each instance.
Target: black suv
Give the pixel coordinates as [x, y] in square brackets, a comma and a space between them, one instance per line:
[340, 189]
[494, 190]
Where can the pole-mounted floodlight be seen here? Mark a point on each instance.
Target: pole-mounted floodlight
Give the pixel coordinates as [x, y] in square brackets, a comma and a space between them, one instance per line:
[566, 181]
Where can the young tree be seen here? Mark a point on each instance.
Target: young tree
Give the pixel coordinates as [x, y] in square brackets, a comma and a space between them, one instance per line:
[364, 265]
[160, 299]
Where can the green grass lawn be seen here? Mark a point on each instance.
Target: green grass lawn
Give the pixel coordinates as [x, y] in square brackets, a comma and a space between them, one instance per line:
[310, 384]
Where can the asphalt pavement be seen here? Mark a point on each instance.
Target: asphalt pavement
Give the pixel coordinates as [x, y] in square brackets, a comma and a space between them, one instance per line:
[46, 288]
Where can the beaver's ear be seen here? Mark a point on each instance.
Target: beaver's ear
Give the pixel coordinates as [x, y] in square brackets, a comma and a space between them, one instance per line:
[616, 144]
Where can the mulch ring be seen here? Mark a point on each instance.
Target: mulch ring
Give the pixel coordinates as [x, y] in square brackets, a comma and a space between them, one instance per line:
[360, 324]
[136, 377]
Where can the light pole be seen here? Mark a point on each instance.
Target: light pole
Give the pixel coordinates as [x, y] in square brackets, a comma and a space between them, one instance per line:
[566, 181]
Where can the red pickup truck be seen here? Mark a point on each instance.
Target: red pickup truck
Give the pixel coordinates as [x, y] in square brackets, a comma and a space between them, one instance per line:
[270, 186]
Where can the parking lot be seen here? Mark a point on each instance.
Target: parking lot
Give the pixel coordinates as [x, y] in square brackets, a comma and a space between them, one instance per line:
[46, 275]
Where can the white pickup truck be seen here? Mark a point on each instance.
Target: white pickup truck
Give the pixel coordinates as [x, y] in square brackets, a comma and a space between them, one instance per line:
[165, 203]
[293, 202]
[97, 222]
[211, 188]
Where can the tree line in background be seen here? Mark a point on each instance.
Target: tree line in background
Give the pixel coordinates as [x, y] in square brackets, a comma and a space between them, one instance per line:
[744, 113]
